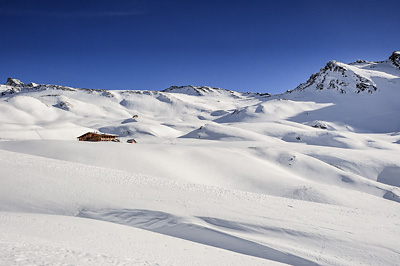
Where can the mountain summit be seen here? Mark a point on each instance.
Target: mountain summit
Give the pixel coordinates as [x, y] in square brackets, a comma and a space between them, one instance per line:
[395, 58]
[357, 77]
[14, 82]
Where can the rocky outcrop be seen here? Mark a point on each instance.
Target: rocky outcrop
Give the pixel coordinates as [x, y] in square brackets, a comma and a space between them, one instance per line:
[14, 82]
[337, 76]
[395, 59]
[194, 90]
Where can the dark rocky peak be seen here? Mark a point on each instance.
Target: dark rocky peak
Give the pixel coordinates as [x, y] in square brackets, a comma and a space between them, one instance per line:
[319, 79]
[32, 84]
[336, 76]
[333, 66]
[257, 94]
[395, 58]
[14, 82]
[360, 61]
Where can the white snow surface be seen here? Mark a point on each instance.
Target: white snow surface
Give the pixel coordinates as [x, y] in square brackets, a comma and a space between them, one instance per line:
[308, 177]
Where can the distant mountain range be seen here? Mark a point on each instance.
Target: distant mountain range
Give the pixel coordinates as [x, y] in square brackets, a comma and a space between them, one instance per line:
[353, 77]
[362, 97]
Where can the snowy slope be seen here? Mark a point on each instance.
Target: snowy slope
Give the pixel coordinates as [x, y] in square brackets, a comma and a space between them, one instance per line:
[307, 177]
[264, 227]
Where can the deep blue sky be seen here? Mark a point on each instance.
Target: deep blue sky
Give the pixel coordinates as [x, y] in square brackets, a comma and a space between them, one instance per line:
[246, 45]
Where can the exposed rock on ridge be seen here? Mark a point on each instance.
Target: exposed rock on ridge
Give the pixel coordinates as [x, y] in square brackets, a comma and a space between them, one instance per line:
[395, 58]
[14, 82]
[338, 76]
[194, 90]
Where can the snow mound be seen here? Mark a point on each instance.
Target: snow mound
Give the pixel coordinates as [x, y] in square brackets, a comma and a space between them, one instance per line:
[321, 124]
[175, 226]
[310, 194]
[390, 175]
[64, 105]
[270, 111]
[214, 131]
[140, 130]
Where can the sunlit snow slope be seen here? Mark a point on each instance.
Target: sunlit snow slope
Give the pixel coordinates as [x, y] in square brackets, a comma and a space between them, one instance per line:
[307, 177]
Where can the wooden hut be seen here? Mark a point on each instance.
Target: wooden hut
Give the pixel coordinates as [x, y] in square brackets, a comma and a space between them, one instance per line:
[92, 136]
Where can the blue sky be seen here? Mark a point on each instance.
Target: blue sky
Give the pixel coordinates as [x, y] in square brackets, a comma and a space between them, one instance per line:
[247, 45]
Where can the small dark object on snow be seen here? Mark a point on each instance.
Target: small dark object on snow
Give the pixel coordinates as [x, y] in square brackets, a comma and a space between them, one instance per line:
[94, 137]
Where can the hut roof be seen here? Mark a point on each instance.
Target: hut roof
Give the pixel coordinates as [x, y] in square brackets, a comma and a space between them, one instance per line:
[99, 134]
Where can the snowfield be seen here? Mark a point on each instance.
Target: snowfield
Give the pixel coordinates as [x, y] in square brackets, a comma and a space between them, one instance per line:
[307, 177]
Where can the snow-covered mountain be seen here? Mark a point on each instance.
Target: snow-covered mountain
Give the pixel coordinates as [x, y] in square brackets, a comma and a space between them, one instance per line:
[307, 177]
[360, 76]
